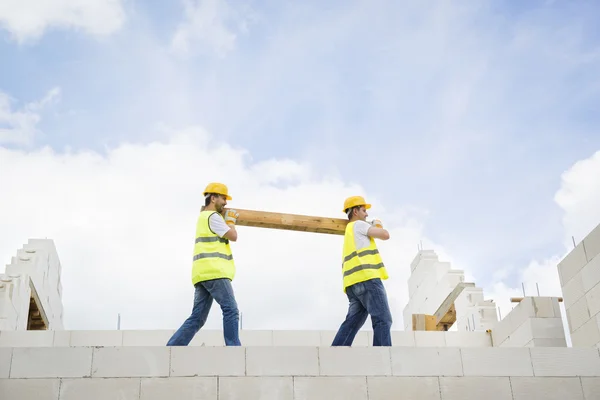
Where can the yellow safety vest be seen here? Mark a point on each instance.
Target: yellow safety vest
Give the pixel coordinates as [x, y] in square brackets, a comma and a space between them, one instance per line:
[212, 254]
[362, 265]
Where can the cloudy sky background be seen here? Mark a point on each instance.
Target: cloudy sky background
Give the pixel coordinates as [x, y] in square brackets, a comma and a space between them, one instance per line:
[470, 127]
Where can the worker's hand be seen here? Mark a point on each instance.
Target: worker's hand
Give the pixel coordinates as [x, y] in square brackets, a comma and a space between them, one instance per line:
[231, 217]
[377, 223]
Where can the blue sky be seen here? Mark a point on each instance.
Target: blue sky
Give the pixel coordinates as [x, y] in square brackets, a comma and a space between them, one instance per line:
[465, 114]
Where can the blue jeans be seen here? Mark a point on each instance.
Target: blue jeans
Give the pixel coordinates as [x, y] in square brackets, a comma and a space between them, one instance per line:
[222, 291]
[368, 297]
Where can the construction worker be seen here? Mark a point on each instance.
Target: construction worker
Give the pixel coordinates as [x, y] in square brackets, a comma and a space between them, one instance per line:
[363, 272]
[213, 268]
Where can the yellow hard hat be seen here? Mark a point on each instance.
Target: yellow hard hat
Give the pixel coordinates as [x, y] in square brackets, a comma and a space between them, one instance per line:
[355, 201]
[217, 188]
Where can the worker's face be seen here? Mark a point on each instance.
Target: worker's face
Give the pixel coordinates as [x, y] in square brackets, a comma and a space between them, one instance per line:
[220, 203]
[361, 213]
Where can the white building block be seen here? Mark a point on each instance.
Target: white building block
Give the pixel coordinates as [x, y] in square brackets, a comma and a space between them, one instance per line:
[147, 338]
[544, 307]
[501, 331]
[126, 362]
[590, 274]
[520, 336]
[591, 387]
[565, 362]
[330, 388]
[100, 389]
[26, 338]
[296, 338]
[495, 361]
[62, 339]
[96, 338]
[179, 388]
[412, 361]
[593, 300]
[572, 264]
[592, 244]
[588, 335]
[263, 387]
[5, 358]
[51, 362]
[578, 314]
[524, 388]
[547, 343]
[361, 339]
[206, 337]
[402, 339]
[468, 339]
[256, 338]
[547, 328]
[386, 388]
[573, 290]
[208, 361]
[362, 361]
[26, 389]
[430, 339]
[282, 361]
[475, 388]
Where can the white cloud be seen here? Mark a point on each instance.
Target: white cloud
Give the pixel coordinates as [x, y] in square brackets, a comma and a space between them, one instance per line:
[124, 222]
[19, 127]
[27, 20]
[212, 25]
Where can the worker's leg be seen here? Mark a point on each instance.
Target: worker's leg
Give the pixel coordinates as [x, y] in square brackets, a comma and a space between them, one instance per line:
[355, 319]
[222, 291]
[191, 326]
[376, 303]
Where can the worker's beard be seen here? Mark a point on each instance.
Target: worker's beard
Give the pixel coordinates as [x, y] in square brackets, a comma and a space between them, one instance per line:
[219, 208]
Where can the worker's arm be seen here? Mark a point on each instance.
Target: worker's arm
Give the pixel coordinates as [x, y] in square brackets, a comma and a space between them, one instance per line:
[377, 231]
[230, 219]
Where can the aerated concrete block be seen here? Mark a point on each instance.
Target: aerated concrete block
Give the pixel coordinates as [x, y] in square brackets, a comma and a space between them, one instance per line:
[296, 338]
[588, 335]
[100, 389]
[592, 244]
[51, 362]
[5, 358]
[387, 388]
[330, 388]
[26, 338]
[430, 339]
[96, 338]
[546, 388]
[193, 388]
[544, 307]
[210, 338]
[591, 387]
[208, 361]
[578, 314]
[147, 338]
[362, 361]
[547, 328]
[263, 387]
[256, 338]
[282, 361]
[572, 264]
[62, 339]
[573, 291]
[412, 361]
[590, 274]
[547, 343]
[475, 388]
[494, 361]
[565, 361]
[362, 338]
[26, 389]
[401, 339]
[125, 362]
[593, 300]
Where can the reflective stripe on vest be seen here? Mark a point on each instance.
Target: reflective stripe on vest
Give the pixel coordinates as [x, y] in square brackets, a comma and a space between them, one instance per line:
[212, 255]
[360, 265]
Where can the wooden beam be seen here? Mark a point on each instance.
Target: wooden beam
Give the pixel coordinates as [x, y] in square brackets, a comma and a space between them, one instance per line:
[520, 299]
[446, 312]
[291, 222]
[423, 322]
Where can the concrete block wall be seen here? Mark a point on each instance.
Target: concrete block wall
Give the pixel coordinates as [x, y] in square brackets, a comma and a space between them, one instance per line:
[293, 373]
[534, 322]
[473, 312]
[36, 265]
[214, 338]
[579, 274]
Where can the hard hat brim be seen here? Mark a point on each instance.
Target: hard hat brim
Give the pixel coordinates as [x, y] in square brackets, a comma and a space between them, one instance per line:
[367, 206]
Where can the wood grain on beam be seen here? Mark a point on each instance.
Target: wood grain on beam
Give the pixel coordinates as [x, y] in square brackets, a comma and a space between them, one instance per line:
[291, 222]
[446, 313]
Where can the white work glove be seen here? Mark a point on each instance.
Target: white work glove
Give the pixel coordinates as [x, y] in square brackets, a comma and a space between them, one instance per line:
[377, 223]
[231, 217]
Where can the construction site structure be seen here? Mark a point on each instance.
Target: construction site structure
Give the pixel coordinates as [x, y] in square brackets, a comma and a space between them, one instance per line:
[453, 345]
